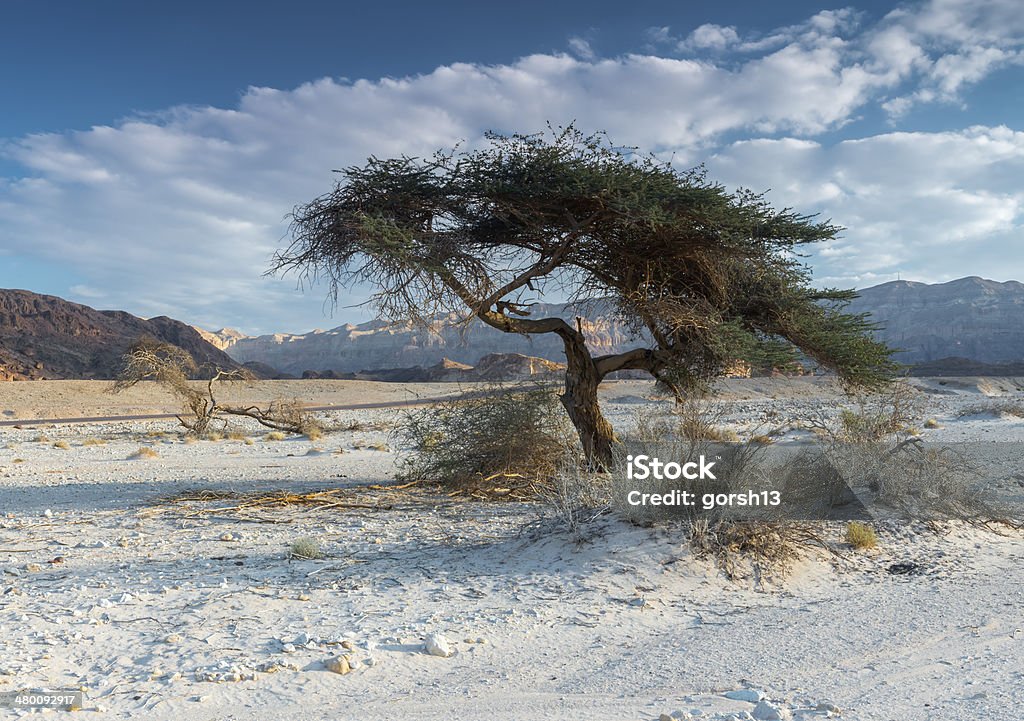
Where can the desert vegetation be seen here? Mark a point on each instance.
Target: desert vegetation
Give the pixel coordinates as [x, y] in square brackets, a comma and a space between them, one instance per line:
[172, 367]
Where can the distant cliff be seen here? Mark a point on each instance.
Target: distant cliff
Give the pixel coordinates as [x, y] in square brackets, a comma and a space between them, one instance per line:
[42, 336]
[353, 348]
[972, 318]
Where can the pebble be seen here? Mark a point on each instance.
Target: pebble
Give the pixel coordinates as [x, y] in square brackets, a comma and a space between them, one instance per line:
[437, 645]
[338, 664]
[828, 706]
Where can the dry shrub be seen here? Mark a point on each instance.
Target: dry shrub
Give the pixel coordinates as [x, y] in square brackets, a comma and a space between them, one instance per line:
[94, 442]
[860, 535]
[876, 416]
[508, 437]
[275, 436]
[763, 550]
[143, 453]
[576, 496]
[63, 445]
[306, 549]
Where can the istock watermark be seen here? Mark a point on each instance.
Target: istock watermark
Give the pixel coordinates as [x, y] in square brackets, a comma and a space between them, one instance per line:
[642, 468]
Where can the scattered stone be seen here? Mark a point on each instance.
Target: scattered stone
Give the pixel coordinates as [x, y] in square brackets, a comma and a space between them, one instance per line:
[33, 567]
[828, 706]
[338, 664]
[745, 694]
[767, 711]
[347, 645]
[275, 666]
[48, 513]
[287, 648]
[173, 638]
[437, 645]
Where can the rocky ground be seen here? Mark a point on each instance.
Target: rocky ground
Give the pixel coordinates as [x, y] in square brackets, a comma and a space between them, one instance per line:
[168, 586]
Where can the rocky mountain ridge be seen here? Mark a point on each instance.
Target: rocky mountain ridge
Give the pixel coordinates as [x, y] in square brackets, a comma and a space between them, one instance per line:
[43, 336]
[971, 318]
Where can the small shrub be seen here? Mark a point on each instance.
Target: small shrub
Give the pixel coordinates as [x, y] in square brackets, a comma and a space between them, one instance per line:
[41, 438]
[248, 441]
[63, 445]
[509, 437]
[189, 439]
[306, 549]
[143, 453]
[860, 535]
[94, 442]
[762, 439]
[237, 436]
[18, 460]
[275, 436]
[932, 423]
[213, 436]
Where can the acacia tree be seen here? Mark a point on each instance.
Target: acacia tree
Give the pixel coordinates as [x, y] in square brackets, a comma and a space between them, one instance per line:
[705, 277]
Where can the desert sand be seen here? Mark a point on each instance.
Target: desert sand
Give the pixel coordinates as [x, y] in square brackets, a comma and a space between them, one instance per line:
[143, 581]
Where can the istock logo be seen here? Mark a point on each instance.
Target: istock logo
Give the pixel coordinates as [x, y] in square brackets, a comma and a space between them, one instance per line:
[643, 467]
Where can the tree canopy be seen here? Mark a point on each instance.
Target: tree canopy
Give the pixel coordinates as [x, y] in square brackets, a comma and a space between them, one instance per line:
[704, 276]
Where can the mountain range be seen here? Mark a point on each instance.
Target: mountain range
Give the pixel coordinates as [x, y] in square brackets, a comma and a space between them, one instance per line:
[970, 325]
[43, 336]
[978, 320]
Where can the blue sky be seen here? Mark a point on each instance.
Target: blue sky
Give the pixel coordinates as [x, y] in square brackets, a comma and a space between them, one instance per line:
[149, 153]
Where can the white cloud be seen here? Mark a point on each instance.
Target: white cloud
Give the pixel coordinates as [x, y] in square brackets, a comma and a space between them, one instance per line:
[929, 206]
[710, 37]
[179, 213]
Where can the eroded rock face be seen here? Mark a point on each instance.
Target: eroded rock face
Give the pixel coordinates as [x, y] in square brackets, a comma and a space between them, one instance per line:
[972, 318]
[379, 345]
[43, 336]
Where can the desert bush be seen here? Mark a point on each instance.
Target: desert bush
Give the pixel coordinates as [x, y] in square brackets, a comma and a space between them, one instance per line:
[305, 548]
[507, 437]
[143, 453]
[275, 436]
[932, 423]
[575, 496]
[890, 412]
[763, 550]
[860, 535]
[63, 445]
[94, 442]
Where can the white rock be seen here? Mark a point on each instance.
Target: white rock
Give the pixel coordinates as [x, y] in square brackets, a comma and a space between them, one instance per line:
[437, 645]
[828, 706]
[766, 711]
[48, 513]
[745, 694]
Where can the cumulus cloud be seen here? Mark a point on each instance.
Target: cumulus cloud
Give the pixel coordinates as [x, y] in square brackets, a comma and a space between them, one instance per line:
[927, 206]
[179, 213]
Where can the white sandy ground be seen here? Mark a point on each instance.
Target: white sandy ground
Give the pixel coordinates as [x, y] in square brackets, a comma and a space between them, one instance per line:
[148, 599]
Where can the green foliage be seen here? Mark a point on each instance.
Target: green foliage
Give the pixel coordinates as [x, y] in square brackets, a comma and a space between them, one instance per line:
[707, 275]
[508, 438]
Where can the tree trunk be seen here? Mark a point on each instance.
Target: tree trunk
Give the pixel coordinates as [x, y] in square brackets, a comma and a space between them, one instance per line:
[580, 401]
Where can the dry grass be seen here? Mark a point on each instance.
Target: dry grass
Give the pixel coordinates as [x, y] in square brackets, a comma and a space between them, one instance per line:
[860, 535]
[144, 452]
[764, 551]
[508, 442]
[63, 445]
[275, 436]
[932, 423]
[41, 438]
[94, 442]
